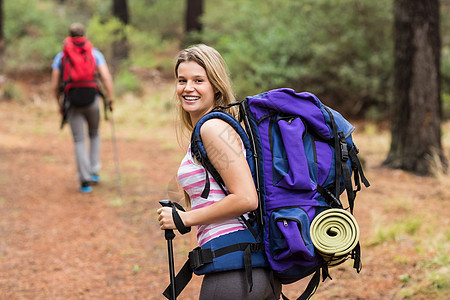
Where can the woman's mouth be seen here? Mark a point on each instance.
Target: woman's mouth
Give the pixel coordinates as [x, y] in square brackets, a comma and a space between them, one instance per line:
[191, 98]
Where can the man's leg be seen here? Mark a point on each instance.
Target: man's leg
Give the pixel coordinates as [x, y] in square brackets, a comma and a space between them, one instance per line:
[93, 119]
[77, 124]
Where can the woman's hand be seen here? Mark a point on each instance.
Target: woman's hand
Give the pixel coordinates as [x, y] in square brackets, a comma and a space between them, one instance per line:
[165, 218]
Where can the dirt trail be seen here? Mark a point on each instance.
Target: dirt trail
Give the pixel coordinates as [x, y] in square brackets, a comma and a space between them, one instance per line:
[56, 243]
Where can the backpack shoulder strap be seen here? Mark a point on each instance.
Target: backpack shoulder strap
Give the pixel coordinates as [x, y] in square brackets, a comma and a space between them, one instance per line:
[198, 149]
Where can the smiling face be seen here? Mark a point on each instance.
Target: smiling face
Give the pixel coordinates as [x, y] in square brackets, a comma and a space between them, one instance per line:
[194, 90]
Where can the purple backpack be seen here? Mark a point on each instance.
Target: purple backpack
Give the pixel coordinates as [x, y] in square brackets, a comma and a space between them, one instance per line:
[302, 159]
[307, 157]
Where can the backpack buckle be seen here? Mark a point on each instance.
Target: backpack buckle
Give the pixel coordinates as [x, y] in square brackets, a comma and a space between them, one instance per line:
[344, 150]
[199, 257]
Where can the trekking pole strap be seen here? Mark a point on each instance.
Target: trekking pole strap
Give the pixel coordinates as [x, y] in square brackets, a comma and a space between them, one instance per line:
[177, 219]
[311, 288]
[313, 284]
[353, 153]
[181, 280]
[356, 256]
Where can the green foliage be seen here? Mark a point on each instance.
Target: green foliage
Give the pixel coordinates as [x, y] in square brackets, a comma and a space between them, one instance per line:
[405, 278]
[12, 91]
[147, 49]
[34, 35]
[446, 105]
[430, 243]
[445, 73]
[152, 112]
[396, 230]
[341, 48]
[31, 35]
[161, 17]
[125, 81]
[136, 268]
[116, 202]
[103, 33]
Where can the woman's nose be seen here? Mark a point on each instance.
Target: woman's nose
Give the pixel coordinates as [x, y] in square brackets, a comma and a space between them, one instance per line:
[189, 86]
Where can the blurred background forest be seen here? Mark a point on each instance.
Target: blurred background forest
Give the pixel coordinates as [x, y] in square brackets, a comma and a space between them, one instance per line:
[342, 51]
[57, 244]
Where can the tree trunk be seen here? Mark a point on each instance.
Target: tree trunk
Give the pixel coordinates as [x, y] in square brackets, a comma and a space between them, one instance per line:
[120, 47]
[193, 25]
[120, 10]
[2, 37]
[417, 108]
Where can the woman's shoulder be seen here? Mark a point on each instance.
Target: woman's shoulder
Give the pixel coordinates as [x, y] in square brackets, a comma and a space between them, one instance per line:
[219, 135]
[214, 127]
[218, 131]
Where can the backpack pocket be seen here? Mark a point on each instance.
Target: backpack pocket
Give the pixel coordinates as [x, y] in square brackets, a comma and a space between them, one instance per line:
[289, 237]
[289, 160]
[82, 96]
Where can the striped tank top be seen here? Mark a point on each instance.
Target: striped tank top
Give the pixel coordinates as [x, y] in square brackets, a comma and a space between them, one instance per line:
[191, 177]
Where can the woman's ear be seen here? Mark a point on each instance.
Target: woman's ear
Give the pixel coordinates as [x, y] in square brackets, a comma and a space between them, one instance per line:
[217, 96]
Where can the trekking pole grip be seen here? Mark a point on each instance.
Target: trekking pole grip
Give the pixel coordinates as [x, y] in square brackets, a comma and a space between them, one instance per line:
[168, 233]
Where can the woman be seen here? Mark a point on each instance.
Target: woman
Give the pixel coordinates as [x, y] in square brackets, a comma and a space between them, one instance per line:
[202, 84]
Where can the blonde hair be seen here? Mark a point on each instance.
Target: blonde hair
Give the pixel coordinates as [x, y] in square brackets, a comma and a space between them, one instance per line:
[216, 71]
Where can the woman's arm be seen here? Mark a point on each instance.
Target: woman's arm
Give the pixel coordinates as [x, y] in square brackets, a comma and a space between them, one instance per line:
[224, 150]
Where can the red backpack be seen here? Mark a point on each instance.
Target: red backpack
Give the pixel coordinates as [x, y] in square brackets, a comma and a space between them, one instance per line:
[79, 71]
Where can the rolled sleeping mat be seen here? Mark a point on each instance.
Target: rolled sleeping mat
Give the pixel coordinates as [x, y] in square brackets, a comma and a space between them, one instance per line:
[334, 234]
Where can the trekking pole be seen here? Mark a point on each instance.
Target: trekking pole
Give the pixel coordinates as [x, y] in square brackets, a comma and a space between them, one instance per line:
[116, 158]
[170, 235]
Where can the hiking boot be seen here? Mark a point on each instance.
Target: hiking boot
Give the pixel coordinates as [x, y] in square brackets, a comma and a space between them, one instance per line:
[95, 179]
[85, 187]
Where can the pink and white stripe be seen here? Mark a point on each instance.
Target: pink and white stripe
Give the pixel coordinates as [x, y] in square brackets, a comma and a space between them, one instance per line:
[191, 177]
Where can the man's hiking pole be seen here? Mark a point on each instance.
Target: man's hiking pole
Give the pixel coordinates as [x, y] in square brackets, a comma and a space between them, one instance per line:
[107, 106]
[116, 157]
[170, 235]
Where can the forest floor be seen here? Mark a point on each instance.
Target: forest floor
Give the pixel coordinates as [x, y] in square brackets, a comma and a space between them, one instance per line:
[56, 243]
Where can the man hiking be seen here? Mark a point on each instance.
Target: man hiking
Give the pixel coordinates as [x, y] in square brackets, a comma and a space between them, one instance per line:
[74, 72]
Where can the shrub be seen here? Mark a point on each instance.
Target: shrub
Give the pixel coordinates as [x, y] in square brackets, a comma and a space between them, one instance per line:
[127, 82]
[339, 50]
